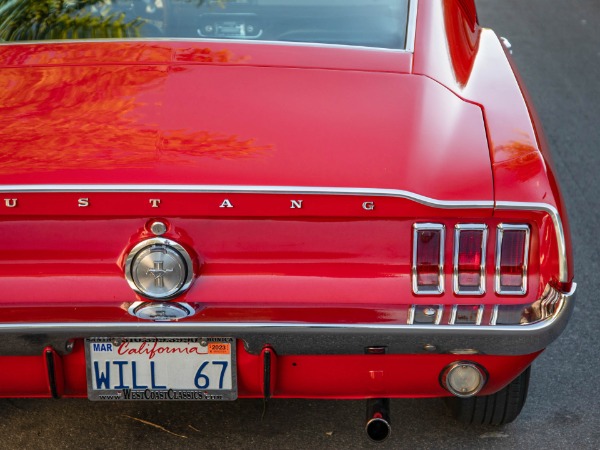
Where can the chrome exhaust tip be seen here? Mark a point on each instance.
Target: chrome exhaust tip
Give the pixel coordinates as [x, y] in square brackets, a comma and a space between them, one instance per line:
[378, 425]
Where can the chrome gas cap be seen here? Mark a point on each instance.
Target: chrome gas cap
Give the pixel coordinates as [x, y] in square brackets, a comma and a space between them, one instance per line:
[159, 268]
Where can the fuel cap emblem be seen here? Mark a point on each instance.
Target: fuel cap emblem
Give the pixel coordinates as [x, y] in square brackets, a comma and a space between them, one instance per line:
[159, 268]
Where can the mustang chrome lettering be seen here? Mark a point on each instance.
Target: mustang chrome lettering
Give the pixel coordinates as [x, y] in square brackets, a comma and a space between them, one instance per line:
[296, 204]
[10, 202]
[83, 202]
[226, 204]
[368, 206]
[154, 202]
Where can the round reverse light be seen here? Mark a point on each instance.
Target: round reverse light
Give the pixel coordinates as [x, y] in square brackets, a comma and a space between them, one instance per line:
[463, 379]
[159, 268]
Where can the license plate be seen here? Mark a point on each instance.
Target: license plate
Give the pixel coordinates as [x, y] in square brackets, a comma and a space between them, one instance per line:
[161, 368]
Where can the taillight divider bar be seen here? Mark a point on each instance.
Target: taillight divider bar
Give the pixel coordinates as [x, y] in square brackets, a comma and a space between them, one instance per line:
[499, 234]
[457, 230]
[429, 227]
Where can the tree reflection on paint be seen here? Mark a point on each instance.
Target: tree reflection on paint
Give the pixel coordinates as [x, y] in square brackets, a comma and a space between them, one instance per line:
[22, 20]
[72, 117]
[522, 158]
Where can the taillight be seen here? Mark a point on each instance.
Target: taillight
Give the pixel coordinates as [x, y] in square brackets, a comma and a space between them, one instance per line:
[512, 252]
[469, 258]
[428, 258]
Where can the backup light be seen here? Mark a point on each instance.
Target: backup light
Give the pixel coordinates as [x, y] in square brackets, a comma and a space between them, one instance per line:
[463, 378]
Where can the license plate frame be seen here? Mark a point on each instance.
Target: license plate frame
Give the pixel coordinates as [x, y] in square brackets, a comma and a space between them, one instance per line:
[134, 363]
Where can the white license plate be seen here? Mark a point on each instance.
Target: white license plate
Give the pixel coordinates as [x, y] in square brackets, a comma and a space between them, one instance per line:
[161, 368]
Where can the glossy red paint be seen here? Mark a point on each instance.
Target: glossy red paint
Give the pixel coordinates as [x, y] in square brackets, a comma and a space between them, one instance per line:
[323, 376]
[449, 123]
[333, 260]
[473, 64]
[186, 123]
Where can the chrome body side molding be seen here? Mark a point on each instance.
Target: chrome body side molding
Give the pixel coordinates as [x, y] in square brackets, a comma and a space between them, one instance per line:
[237, 189]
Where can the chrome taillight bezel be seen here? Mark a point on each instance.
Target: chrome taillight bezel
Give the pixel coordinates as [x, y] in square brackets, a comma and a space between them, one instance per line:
[457, 230]
[499, 236]
[421, 290]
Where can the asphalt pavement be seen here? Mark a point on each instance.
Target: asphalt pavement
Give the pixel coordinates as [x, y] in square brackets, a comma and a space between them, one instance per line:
[557, 49]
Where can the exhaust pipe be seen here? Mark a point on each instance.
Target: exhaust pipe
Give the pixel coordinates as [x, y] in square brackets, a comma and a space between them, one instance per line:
[378, 426]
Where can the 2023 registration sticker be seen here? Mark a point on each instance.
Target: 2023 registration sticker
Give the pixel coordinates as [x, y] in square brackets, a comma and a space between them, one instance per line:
[165, 368]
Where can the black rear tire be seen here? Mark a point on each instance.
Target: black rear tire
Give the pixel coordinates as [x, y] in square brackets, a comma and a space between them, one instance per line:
[497, 409]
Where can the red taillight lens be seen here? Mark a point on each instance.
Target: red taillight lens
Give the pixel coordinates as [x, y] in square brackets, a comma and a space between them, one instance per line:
[511, 259]
[428, 258]
[469, 259]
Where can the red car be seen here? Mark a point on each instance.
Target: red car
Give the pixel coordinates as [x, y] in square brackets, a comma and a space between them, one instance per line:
[273, 199]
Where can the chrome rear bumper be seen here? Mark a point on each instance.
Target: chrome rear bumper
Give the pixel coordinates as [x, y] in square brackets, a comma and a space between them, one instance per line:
[532, 328]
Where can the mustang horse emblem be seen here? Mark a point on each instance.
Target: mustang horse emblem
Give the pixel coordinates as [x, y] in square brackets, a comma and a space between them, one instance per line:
[159, 272]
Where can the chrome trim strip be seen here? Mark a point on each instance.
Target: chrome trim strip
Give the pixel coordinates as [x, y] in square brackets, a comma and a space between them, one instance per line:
[499, 235]
[233, 189]
[558, 227]
[494, 317]
[453, 315]
[439, 314]
[411, 315]
[480, 314]
[457, 230]
[204, 41]
[440, 286]
[411, 28]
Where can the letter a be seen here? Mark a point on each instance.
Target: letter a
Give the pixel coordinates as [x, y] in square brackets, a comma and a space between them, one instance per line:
[226, 204]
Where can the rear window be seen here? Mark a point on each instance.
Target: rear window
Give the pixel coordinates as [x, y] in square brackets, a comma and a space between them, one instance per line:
[367, 23]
